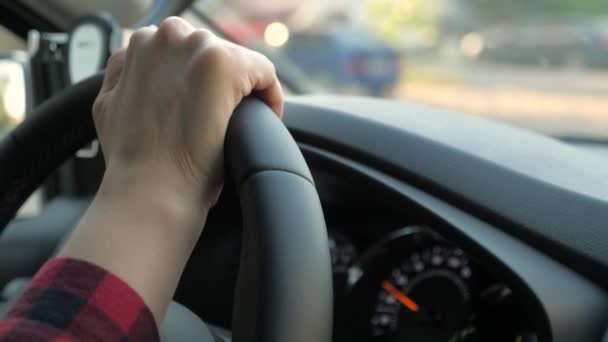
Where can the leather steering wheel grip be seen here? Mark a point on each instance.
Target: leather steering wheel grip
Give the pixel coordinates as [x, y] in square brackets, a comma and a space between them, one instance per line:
[284, 288]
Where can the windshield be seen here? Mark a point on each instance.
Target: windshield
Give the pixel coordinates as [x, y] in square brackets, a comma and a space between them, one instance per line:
[540, 64]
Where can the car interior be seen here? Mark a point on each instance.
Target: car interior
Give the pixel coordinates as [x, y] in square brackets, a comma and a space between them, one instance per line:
[355, 219]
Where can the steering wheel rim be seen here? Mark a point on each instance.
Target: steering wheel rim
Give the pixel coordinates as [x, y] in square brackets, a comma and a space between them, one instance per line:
[285, 255]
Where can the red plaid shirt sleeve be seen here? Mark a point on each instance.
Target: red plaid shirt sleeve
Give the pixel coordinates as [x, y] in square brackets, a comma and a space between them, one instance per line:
[73, 300]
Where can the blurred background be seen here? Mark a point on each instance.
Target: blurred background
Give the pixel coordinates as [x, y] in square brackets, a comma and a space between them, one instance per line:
[540, 64]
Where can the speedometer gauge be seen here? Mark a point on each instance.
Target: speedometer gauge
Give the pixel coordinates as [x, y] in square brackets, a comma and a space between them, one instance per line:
[414, 286]
[424, 297]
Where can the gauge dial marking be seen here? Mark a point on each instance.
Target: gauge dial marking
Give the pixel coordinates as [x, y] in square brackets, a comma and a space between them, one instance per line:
[400, 296]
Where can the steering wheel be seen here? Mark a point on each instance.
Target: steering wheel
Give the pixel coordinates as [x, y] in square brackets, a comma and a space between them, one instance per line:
[284, 286]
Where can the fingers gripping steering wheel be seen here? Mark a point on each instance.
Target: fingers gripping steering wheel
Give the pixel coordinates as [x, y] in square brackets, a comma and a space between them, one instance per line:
[284, 289]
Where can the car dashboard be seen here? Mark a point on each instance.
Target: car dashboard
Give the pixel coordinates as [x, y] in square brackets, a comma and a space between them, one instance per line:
[434, 235]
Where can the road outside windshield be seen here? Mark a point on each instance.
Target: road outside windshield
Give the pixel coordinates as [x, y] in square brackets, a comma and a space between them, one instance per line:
[540, 64]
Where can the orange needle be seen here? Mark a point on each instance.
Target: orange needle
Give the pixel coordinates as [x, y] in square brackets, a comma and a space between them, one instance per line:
[401, 297]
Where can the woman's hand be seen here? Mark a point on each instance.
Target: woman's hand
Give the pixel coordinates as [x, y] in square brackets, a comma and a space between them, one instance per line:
[161, 117]
[163, 110]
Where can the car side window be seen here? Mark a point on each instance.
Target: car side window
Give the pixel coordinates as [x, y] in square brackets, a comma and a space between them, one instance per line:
[13, 99]
[12, 80]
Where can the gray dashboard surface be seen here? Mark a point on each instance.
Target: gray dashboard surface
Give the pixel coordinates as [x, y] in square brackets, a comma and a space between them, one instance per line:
[546, 192]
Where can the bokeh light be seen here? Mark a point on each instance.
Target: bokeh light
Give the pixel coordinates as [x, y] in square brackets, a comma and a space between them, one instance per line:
[276, 34]
[13, 90]
[471, 45]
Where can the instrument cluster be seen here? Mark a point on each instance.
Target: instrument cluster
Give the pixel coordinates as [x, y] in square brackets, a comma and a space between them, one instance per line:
[414, 285]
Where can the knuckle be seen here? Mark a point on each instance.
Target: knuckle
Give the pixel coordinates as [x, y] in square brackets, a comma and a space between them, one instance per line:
[169, 30]
[139, 38]
[271, 66]
[266, 62]
[215, 58]
[172, 21]
[198, 38]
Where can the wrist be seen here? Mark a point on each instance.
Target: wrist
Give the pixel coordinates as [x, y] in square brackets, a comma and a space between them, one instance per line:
[141, 229]
[156, 196]
[155, 179]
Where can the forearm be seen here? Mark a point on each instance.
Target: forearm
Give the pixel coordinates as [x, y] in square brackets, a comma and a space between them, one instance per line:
[141, 230]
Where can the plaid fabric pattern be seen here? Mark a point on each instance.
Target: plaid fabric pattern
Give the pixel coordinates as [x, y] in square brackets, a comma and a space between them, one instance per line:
[73, 300]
